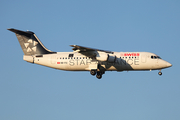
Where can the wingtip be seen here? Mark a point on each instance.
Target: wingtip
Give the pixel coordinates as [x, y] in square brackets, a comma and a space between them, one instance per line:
[10, 29]
[73, 45]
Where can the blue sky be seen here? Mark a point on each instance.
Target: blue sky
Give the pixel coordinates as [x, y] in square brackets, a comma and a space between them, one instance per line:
[33, 92]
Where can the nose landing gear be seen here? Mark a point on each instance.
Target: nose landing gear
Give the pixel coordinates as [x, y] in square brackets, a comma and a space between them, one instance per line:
[160, 73]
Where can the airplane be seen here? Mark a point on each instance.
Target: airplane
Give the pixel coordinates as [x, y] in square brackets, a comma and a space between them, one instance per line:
[96, 61]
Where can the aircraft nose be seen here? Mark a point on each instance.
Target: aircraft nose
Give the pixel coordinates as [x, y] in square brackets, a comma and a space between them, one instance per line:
[168, 64]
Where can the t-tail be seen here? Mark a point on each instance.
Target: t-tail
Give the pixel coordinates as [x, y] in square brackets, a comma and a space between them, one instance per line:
[30, 44]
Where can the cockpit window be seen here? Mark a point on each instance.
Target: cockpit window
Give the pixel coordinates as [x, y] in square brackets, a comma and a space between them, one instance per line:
[158, 57]
[155, 57]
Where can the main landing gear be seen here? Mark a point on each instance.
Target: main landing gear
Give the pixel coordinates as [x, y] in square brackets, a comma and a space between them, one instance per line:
[97, 73]
[160, 73]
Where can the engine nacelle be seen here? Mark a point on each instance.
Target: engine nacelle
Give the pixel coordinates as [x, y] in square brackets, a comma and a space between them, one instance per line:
[106, 57]
[111, 58]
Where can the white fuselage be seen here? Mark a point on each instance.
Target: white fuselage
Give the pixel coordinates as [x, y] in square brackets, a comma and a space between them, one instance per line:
[125, 61]
[86, 59]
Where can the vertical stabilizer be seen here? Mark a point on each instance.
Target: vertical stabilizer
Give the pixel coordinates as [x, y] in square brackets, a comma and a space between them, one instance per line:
[30, 43]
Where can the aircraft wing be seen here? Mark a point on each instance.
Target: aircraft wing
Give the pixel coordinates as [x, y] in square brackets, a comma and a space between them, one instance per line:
[88, 51]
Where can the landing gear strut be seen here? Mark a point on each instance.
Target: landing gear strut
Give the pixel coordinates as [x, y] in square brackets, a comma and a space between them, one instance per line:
[99, 71]
[160, 73]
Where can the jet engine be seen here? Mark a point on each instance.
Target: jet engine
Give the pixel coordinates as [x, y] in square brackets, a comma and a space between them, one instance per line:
[106, 57]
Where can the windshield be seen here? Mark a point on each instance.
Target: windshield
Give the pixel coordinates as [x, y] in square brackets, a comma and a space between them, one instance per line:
[155, 57]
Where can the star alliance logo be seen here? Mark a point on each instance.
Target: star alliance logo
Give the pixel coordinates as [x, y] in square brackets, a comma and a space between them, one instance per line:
[31, 45]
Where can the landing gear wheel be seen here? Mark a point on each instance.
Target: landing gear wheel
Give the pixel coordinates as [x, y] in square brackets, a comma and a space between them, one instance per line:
[160, 73]
[99, 75]
[93, 72]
